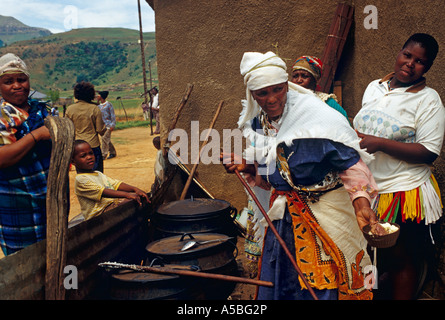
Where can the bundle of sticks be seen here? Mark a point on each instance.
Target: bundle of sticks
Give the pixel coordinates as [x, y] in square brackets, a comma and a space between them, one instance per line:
[335, 43]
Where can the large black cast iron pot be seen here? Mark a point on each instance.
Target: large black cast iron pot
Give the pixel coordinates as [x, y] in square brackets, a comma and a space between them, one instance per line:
[194, 216]
[133, 285]
[215, 257]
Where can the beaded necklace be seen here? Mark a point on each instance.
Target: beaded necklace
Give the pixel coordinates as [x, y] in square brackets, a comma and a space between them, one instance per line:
[389, 85]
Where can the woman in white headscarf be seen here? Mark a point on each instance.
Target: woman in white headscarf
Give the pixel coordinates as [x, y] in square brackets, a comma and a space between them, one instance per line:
[320, 187]
[25, 151]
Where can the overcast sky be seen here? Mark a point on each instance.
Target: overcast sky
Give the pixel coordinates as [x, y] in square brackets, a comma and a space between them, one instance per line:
[64, 15]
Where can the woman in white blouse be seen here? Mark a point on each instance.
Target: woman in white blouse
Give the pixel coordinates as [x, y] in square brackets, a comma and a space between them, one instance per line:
[402, 123]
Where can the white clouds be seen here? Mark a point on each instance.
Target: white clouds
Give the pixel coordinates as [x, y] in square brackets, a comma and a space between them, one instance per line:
[62, 15]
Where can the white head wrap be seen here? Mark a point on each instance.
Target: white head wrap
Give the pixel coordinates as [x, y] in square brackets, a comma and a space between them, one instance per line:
[262, 70]
[10, 63]
[259, 71]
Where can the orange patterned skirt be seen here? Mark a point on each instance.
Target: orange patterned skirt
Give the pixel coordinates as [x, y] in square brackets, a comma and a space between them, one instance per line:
[330, 249]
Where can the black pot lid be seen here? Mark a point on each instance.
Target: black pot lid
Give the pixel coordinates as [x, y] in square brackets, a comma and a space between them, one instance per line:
[142, 277]
[196, 206]
[172, 245]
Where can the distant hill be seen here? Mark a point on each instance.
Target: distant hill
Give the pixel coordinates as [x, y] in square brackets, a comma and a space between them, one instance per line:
[12, 30]
[110, 58]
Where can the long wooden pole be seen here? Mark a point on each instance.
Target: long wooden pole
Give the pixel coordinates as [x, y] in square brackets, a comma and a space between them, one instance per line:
[122, 105]
[151, 98]
[62, 136]
[192, 173]
[149, 69]
[198, 274]
[181, 106]
[275, 232]
[176, 117]
[141, 41]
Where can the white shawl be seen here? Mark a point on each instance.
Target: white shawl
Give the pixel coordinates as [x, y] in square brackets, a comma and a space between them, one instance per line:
[304, 116]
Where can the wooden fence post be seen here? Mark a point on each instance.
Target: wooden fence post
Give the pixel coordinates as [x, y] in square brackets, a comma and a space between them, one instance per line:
[62, 135]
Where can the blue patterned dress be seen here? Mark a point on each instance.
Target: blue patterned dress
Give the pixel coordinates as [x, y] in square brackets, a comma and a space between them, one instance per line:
[23, 185]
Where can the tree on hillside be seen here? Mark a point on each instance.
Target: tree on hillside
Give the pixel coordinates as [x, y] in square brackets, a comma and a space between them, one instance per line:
[90, 60]
[81, 77]
[54, 96]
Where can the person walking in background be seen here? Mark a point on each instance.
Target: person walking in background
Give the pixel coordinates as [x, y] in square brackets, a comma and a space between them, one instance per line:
[25, 154]
[87, 119]
[109, 119]
[155, 108]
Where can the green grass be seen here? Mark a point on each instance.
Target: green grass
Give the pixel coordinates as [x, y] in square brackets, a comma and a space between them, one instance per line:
[128, 104]
[126, 109]
[131, 124]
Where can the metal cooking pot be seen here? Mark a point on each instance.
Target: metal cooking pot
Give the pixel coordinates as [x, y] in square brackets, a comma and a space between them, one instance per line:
[207, 257]
[214, 257]
[194, 216]
[133, 285]
[137, 285]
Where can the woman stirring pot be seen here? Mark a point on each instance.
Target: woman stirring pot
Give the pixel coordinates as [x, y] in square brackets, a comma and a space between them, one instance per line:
[321, 188]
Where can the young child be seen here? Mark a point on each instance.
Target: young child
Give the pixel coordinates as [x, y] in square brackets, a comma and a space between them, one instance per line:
[95, 191]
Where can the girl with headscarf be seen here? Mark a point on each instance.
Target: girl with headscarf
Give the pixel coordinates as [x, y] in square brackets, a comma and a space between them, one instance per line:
[321, 188]
[306, 72]
[25, 151]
